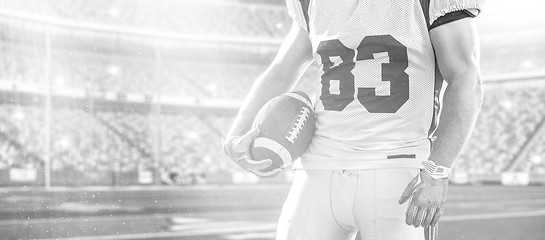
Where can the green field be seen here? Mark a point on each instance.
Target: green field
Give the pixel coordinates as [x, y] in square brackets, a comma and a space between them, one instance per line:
[236, 212]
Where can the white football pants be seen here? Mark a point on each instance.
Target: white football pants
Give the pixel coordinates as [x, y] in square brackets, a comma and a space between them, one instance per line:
[336, 205]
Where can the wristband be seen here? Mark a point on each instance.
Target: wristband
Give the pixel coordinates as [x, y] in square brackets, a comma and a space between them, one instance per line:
[435, 171]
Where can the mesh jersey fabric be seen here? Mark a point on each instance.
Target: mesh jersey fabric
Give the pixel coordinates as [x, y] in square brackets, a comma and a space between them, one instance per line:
[378, 97]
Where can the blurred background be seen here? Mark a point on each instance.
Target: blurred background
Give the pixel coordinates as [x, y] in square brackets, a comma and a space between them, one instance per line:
[112, 111]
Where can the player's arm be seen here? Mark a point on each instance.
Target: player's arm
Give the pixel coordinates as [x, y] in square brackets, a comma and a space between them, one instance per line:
[457, 50]
[291, 61]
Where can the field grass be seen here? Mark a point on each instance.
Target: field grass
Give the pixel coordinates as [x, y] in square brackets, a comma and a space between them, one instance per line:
[236, 212]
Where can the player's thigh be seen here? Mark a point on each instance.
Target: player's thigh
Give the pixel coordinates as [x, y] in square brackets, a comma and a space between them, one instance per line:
[379, 215]
[306, 214]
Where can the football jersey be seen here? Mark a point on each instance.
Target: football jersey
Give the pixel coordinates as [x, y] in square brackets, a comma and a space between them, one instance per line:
[378, 98]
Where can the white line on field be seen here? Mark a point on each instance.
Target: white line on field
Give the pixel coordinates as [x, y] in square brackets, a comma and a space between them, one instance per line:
[488, 216]
[244, 236]
[172, 217]
[199, 232]
[270, 227]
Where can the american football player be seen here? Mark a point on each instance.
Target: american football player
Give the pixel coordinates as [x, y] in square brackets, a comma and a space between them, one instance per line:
[379, 161]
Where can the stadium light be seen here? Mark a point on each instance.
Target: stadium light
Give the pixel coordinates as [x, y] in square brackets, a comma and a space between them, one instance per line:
[536, 159]
[527, 64]
[60, 81]
[113, 70]
[192, 135]
[64, 142]
[114, 12]
[18, 115]
[507, 104]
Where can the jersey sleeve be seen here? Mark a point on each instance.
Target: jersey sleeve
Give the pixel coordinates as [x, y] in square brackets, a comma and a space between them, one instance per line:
[439, 8]
[295, 10]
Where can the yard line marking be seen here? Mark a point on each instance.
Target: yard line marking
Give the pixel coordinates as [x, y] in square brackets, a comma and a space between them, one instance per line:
[275, 186]
[186, 220]
[225, 227]
[200, 232]
[243, 236]
[485, 216]
[271, 227]
[210, 225]
[125, 217]
[503, 202]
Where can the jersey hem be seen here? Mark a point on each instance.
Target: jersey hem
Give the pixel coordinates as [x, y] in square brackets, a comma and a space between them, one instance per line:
[356, 164]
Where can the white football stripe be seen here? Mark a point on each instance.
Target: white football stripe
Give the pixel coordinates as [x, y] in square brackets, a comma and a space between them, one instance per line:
[260, 114]
[275, 147]
[300, 98]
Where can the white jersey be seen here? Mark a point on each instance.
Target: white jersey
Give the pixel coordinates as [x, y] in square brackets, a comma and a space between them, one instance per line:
[379, 83]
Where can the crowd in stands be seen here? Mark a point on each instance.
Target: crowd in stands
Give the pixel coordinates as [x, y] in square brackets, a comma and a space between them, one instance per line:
[190, 17]
[190, 144]
[509, 116]
[103, 141]
[101, 71]
[535, 160]
[104, 72]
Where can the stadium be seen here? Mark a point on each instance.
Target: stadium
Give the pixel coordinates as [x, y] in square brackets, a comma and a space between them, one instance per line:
[112, 115]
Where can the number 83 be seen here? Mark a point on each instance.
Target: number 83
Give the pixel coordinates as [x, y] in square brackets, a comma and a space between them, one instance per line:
[393, 72]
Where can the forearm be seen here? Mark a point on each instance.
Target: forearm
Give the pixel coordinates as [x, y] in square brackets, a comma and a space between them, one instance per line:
[270, 84]
[462, 102]
[291, 61]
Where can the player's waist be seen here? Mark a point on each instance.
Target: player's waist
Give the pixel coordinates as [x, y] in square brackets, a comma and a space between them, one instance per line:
[370, 160]
[329, 148]
[311, 161]
[353, 144]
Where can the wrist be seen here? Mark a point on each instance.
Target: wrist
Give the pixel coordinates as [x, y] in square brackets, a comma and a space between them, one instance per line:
[436, 171]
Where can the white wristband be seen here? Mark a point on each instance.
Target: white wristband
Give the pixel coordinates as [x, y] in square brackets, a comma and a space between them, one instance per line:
[435, 171]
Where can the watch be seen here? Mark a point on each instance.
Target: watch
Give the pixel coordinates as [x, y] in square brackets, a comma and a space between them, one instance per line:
[436, 171]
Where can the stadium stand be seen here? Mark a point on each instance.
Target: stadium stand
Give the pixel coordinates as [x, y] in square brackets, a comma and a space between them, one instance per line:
[185, 17]
[189, 143]
[93, 138]
[510, 114]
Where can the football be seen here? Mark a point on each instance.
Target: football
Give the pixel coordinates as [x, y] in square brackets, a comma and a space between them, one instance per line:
[286, 125]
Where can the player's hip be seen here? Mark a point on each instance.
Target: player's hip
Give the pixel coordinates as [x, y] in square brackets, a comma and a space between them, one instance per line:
[348, 201]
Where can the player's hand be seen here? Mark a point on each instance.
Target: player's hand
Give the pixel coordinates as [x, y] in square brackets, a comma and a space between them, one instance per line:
[237, 149]
[426, 200]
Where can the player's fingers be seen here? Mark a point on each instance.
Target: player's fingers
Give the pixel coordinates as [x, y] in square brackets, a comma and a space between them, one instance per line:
[242, 144]
[413, 203]
[420, 215]
[436, 216]
[411, 214]
[253, 133]
[259, 164]
[429, 216]
[408, 190]
[255, 165]
[265, 174]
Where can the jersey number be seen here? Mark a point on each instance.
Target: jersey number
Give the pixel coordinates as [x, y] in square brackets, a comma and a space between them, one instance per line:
[393, 72]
